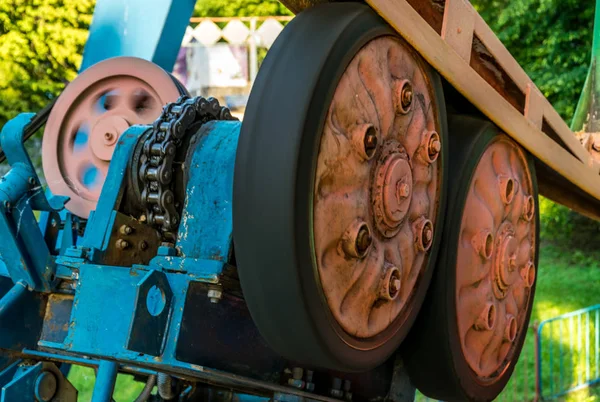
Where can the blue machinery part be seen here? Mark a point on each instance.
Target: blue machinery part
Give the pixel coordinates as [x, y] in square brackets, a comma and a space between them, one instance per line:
[167, 315]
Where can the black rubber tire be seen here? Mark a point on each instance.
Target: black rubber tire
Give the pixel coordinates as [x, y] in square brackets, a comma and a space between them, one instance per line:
[432, 351]
[273, 187]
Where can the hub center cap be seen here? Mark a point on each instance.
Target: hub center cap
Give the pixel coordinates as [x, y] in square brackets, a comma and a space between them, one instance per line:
[393, 187]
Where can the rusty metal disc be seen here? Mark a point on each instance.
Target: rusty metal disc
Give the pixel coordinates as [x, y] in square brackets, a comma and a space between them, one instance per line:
[89, 116]
[485, 281]
[338, 189]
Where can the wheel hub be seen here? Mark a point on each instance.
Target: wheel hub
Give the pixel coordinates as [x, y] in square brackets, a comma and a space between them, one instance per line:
[391, 194]
[378, 178]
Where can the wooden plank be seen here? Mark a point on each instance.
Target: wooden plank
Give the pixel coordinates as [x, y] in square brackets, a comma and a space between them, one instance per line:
[518, 75]
[534, 106]
[458, 72]
[458, 27]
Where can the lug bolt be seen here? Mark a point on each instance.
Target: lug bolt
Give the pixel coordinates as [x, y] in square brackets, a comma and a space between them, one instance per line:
[126, 230]
[483, 242]
[528, 274]
[507, 189]
[404, 96]
[528, 208]
[364, 140]
[122, 244]
[424, 233]
[391, 284]
[402, 191]
[434, 146]
[357, 239]
[487, 318]
[510, 332]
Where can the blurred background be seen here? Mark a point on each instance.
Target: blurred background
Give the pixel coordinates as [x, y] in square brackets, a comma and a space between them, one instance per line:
[41, 42]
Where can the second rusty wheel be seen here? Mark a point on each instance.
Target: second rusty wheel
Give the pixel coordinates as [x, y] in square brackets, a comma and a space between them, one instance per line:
[338, 189]
[472, 327]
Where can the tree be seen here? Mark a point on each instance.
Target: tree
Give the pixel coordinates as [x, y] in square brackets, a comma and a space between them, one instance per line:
[41, 42]
[239, 8]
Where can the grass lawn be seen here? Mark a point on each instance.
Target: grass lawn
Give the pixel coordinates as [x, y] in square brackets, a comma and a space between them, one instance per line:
[566, 282]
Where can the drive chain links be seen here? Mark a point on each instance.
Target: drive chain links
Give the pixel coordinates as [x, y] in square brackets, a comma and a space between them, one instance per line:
[158, 154]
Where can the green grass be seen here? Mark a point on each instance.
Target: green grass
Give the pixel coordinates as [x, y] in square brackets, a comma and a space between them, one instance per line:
[82, 378]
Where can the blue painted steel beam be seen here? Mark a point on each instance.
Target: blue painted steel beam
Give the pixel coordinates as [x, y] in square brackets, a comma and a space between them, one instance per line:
[12, 296]
[148, 29]
[105, 381]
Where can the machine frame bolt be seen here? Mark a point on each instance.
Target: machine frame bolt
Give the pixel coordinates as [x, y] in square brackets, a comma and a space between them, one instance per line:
[122, 244]
[7, 204]
[215, 294]
[32, 181]
[143, 245]
[46, 386]
[126, 230]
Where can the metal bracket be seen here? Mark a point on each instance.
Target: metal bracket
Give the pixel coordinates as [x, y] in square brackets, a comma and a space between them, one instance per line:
[151, 314]
[38, 382]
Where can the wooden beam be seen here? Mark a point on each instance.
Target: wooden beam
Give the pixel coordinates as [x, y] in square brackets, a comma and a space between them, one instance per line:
[459, 73]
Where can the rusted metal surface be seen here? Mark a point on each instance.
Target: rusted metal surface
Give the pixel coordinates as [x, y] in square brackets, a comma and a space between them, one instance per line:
[88, 118]
[377, 185]
[495, 259]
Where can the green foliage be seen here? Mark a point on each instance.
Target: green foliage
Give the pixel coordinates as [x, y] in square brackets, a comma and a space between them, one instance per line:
[551, 39]
[239, 8]
[41, 42]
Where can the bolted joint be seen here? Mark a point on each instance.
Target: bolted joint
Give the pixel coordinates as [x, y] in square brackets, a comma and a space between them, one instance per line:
[483, 242]
[122, 244]
[215, 293]
[365, 141]
[356, 241]
[390, 287]
[507, 189]
[46, 386]
[528, 208]
[423, 230]
[510, 331]
[528, 274]
[487, 318]
[403, 96]
[126, 230]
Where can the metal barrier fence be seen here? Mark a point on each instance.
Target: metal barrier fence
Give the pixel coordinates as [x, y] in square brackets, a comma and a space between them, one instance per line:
[568, 350]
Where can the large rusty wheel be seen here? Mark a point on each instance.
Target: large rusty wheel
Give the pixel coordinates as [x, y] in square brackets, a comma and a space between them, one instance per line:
[88, 118]
[473, 325]
[338, 189]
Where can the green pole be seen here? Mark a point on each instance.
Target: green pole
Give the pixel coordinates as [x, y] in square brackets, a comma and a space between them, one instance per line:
[587, 114]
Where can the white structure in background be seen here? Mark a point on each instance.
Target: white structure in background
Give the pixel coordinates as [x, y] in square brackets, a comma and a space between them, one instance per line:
[213, 58]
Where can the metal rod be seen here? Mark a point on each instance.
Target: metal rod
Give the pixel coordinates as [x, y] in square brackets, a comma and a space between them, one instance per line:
[550, 365]
[587, 346]
[12, 296]
[105, 381]
[34, 125]
[560, 361]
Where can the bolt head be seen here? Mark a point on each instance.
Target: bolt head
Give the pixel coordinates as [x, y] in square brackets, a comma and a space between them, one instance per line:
[45, 386]
[403, 190]
[407, 95]
[363, 240]
[143, 245]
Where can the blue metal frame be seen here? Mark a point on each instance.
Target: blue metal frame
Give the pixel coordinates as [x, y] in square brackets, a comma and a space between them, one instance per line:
[149, 29]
